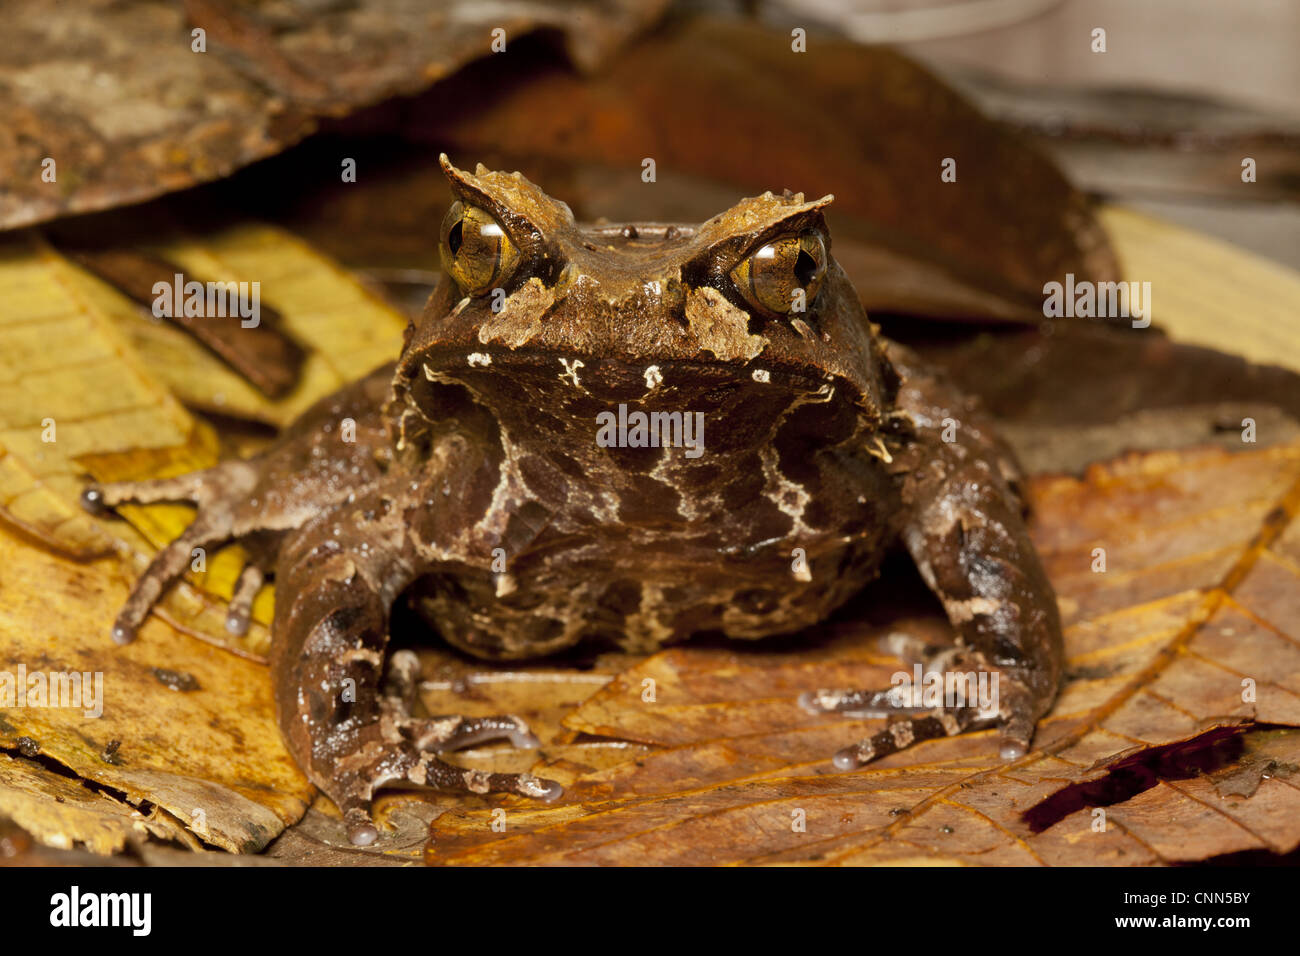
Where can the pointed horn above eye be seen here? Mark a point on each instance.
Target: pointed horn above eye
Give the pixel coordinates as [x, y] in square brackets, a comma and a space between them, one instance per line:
[758, 215]
[535, 223]
[451, 172]
[463, 180]
[449, 169]
[511, 197]
[731, 235]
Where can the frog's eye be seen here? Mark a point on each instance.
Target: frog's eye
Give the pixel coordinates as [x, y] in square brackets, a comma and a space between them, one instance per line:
[476, 250]
[784, 275]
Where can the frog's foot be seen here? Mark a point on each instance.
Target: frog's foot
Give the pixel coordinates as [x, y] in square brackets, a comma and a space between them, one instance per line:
[905, 731]
[358, 775]
[446, 732]
[910, 721]
[453, 732]
[885, 702]
[217, 492]
[239, 611]
[903, 697]
[914, 717]
[259, 565]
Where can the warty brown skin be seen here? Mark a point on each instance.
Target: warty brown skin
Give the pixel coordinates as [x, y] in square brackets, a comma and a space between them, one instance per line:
[476, 489]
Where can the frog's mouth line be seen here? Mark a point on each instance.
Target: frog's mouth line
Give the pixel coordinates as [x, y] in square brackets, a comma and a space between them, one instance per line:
[452, 363]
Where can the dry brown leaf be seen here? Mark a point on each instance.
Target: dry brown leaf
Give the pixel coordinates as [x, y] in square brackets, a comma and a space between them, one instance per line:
[259, 351]
[48, 341]
[73, 399]
[115, 94]
[1200, 593]
[1068, 393]
[108, 394]
[211, 757]
[62, 812]
[542, 693]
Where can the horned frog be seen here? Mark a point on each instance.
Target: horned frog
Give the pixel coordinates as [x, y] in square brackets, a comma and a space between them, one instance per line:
[771, 447]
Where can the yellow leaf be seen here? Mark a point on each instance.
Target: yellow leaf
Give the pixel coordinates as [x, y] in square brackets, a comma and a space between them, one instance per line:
[345, 330]
[211, 757]
[1208, 292]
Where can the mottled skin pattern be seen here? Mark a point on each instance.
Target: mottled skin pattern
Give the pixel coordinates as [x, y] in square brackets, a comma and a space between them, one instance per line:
[475, 488]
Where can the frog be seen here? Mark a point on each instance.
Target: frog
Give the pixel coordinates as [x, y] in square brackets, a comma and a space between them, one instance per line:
[628, 433]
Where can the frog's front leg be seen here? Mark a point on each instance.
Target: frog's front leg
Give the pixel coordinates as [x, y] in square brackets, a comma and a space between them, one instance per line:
[969, 540]
[217, 492]
[348, 721]
[964, 527]
[257, 500]
[314, 510]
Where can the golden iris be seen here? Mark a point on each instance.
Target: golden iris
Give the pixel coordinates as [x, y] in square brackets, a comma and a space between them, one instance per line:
[784, 275]
[476, 249]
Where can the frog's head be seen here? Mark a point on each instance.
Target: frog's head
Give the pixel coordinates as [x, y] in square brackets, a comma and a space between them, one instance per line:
[541, 311]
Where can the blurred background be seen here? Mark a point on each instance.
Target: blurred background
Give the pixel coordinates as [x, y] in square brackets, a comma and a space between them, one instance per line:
[1181, 83]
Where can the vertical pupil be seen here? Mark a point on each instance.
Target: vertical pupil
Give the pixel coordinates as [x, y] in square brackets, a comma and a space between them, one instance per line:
[455, 237]
[805, 268]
